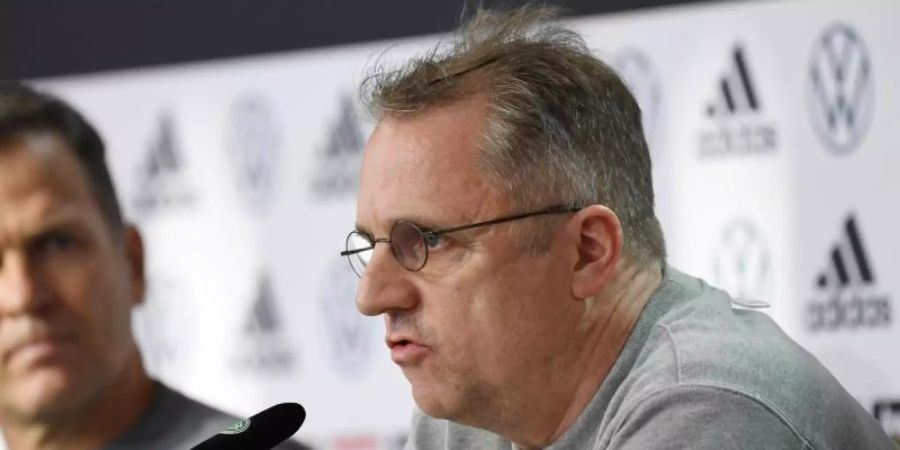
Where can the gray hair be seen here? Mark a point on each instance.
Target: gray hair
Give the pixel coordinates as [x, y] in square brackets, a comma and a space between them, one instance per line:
[562, 128]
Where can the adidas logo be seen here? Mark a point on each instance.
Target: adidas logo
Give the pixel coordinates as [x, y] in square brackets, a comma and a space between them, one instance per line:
[737, 128]
[736, 93]
[845, 287]
[848, 261]
[262, 319]
[340, 159]
[160, 176]
[263, 351]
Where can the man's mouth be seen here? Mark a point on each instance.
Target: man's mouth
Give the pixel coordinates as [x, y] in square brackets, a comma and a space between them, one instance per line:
[405, 351]
[39, 347]
[398, 343]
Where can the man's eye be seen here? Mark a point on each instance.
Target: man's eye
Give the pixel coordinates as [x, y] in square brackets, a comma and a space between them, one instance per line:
[434, 240]
[55, 242]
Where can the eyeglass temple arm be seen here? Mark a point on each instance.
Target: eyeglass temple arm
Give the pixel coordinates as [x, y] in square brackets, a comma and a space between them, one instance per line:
[360, 250]
[552, 210]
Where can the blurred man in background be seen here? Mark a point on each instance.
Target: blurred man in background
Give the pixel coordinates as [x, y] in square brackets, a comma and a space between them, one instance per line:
[71, 270]
[506, 231]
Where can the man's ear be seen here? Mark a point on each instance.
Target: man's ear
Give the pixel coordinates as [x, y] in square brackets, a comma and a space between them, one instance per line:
[599, 242]
[134, 256]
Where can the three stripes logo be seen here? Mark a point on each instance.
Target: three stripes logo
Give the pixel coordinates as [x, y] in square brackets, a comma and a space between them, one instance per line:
[847, 267]
[846, 296]
[739, 128]
[263, 350]
[840, 89]
[736, 93]
[337, 171]
[161, 179]
[263, 319]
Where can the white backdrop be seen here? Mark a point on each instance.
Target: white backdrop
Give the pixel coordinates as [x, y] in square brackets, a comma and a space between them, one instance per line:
[773, 128]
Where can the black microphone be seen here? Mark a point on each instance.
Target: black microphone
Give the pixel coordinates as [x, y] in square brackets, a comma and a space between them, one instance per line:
[262, 431]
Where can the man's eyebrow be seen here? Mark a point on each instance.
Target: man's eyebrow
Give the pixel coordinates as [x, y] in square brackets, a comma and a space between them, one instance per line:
[60, 224]
[63, 224]
[426, 224]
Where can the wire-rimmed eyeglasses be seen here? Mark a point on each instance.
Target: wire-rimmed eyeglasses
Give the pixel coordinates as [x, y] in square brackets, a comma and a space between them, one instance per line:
[410, 242]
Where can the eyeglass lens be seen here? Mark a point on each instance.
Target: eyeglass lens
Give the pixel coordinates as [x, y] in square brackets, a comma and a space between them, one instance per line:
[408, 245]
[406, 241]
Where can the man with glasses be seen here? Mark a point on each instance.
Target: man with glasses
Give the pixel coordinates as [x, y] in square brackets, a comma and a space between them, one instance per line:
[506, 232]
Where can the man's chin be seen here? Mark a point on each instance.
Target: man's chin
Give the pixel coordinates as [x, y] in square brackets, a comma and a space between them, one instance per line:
[442, 399]
[434, 402]
[45, 394]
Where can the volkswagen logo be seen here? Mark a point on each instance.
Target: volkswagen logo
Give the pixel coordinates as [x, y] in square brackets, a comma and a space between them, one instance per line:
[741, 262]
[255, 142]
[841, 88]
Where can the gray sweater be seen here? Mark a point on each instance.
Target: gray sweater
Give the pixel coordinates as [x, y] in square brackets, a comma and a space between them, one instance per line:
[697, 373]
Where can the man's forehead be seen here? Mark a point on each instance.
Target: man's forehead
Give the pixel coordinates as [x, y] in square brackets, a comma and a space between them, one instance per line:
[439, 138]
[423, 168]
[421, 144]
[44, 155]
[40, 180]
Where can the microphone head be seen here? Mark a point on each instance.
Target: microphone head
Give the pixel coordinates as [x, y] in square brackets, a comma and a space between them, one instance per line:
[262, 431]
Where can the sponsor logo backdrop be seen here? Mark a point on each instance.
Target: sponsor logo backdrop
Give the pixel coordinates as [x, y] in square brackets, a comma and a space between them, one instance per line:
[773, 131]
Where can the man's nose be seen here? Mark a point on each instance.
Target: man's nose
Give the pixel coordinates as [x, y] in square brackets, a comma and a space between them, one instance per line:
[385, 285]
[22, 290]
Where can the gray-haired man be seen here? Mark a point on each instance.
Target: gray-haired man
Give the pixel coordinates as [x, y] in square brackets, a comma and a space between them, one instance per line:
[506, 231]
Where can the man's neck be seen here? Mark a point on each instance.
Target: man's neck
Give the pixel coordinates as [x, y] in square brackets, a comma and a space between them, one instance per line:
[114, 411]
[608, 321]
